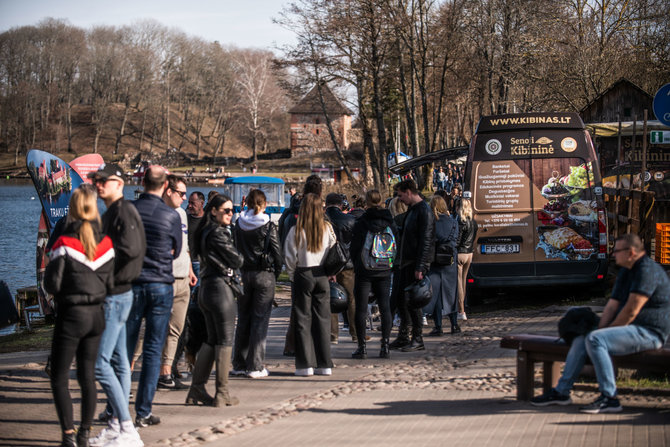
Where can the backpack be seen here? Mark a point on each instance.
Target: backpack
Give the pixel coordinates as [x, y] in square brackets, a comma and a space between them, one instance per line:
[379, 250]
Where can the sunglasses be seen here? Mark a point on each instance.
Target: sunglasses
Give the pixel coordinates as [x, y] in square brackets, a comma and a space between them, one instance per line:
[228, 210]
[182, 194]
[620, 249]
[102, 181]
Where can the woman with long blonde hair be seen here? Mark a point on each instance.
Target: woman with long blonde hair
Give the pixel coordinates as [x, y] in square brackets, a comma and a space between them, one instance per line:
[305, 249]
[79, 275]
[466, 241]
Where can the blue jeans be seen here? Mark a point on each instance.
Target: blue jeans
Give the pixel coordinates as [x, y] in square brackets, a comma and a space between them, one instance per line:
[620, 340]
[598, 346]
[574, 362]
[111, 366]
[152, 301]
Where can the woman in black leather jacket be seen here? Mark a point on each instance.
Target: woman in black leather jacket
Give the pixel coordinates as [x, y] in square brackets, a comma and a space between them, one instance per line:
[466, 241]
[79, 275]
[219, 258]
[257, 239]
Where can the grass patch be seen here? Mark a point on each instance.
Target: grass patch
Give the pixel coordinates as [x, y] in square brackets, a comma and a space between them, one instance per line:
[39, 339]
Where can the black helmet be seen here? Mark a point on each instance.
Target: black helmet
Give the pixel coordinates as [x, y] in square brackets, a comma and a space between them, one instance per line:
[419, 293]
[338, 298]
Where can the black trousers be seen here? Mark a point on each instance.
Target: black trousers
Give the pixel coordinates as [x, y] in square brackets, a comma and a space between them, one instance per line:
[76, 334]
[253, 318]
[407, 315]
[381, 288]
[311, 308]
[218, 306]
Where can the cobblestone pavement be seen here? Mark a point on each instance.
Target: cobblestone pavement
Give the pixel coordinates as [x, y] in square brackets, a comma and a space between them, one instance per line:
[373, 402]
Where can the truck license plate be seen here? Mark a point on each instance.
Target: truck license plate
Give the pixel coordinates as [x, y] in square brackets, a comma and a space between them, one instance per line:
[500, 249]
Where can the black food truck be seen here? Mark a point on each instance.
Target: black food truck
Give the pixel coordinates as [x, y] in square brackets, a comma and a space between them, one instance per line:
[536, 192]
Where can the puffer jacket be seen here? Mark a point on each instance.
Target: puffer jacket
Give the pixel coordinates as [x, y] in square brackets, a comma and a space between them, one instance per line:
[74, 279]
[251, 232]
[343, 224]
[162, 230]
[218, 255]
[467, 231]
[417, 243]
[374, 220]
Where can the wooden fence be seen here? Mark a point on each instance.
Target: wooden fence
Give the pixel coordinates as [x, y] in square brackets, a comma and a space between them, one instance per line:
[634, 211]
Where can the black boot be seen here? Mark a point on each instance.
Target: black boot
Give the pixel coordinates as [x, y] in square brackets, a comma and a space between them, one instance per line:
[416, 344]
[361, 352]
[453, 319]
[402, 340]
[82, 436]
[384, 352]
[69, 440]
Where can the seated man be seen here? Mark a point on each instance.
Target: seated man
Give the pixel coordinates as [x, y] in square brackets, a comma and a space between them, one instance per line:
[636, 318]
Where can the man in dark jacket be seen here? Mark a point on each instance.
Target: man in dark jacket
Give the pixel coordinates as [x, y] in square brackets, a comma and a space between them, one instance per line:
[152, 291]
[343, 224]
[417, 249]
[122, 223]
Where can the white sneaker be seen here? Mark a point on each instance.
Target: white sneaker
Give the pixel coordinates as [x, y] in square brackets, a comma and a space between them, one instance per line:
[258, 374]
[304, 372]
[424, 321]
[461, 316]
[323, 372]
[107, 434]
[126, 439]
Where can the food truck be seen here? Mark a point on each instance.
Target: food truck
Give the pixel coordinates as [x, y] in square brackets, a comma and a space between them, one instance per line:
[536, 192]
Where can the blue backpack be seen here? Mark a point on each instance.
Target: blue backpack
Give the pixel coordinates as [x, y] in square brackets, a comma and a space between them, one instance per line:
[379, 250]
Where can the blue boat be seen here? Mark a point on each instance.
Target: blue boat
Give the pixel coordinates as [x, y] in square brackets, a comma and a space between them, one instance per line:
[238, 188]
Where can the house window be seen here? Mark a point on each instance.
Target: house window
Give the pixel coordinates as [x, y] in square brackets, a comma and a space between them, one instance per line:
[317, 121]
[627, 112]
[318, 131]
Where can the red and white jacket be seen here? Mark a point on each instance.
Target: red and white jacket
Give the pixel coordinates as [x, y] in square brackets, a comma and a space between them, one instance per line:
[74, 279]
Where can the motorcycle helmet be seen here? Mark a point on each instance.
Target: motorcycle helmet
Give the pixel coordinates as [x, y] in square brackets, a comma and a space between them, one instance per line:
[338, 298]
[419, 293]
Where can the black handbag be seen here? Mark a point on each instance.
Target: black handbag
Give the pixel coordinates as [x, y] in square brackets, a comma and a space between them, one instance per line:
[444, 254]
[335, 260]
[234, 281]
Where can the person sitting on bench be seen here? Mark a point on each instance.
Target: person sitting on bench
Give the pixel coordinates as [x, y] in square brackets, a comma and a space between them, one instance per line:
[636, 318]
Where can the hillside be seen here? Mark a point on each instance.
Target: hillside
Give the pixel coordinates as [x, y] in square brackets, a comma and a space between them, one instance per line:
[142, 139]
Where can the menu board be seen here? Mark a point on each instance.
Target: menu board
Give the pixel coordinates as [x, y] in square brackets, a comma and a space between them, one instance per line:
[502, 186]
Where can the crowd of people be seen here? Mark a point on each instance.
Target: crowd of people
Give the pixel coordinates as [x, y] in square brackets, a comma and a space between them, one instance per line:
[189, 276]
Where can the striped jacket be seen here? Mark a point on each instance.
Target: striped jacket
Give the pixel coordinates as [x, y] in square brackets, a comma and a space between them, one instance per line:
[74, 279]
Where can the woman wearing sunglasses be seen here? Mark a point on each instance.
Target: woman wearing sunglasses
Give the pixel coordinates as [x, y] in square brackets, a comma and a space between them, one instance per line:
[219, 258]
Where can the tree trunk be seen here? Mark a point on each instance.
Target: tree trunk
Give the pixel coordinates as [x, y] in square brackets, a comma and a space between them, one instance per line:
[122, 130]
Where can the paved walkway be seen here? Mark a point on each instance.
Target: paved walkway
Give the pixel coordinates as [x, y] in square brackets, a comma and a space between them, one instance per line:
[458, 392]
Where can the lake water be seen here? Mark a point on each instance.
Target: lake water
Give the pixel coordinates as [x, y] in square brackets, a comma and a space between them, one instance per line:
[19, 217]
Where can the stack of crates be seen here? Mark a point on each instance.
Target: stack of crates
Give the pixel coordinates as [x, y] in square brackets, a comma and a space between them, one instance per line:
[662, 245]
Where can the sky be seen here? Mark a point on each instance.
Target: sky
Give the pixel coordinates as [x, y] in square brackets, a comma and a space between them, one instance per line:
[242, 23]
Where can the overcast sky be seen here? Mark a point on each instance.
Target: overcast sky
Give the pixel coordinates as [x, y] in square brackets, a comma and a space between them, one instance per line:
[243, 23]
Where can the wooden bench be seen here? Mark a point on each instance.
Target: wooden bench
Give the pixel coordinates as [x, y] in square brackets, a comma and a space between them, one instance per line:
[551, 351]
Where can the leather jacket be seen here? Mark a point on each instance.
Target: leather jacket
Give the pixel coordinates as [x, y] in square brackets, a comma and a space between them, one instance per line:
[251, 244]
[343, 224]
[418, 238]
[466, 235]
[218, 255]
